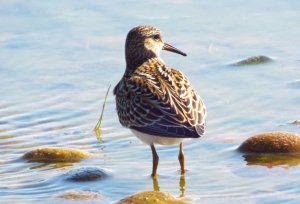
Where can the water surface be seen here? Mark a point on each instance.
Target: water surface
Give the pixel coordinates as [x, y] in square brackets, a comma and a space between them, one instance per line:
[58, 58]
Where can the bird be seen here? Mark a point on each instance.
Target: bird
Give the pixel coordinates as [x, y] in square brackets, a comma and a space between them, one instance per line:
[155, 101]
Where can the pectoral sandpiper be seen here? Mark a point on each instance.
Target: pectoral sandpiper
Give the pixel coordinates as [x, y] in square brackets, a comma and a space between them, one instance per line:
[155, 101]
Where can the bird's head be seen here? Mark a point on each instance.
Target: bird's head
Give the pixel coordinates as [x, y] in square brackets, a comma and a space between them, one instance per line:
[144, 42]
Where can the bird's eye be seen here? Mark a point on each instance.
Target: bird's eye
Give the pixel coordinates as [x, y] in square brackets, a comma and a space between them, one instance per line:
[156, 37]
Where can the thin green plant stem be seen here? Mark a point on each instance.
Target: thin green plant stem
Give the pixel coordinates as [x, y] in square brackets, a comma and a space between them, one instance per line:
[97, 127]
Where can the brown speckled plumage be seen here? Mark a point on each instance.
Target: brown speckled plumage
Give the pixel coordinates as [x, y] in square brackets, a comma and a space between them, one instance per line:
[153, 98]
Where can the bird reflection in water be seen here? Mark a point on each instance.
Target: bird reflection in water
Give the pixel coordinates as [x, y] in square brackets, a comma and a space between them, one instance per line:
[182, 183]
[182, 186]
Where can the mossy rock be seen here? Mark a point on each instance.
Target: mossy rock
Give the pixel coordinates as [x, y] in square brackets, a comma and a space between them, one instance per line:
[81, 195]
[150, 197]
[272, 142]
[85, 174]
[253, 61]
[55, 154]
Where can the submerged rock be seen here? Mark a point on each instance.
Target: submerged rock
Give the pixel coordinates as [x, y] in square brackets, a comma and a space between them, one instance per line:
[85, 174]
[150, 197]
[294, 84]
[55, 154]
[272, 142]
[81, 195]
[253, 60]
[296, 122]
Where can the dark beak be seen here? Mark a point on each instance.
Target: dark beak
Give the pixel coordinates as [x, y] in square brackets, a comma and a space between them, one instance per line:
[172, 49]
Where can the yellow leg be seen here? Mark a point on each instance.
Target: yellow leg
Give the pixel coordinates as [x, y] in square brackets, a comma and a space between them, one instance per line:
[181, 158]
[155, 160]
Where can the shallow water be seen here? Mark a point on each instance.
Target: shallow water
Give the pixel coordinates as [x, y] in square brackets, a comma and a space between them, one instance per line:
[58, 58]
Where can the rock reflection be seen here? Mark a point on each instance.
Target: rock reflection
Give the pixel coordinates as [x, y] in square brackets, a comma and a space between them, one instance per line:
[48, 166]
[273, 160]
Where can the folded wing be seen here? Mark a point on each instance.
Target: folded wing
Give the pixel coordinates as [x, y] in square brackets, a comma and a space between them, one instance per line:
[162, 103]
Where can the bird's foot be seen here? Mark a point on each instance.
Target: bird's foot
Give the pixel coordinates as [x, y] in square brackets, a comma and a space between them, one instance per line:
[182, 171]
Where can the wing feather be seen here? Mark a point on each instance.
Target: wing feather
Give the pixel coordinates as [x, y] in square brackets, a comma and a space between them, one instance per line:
[160, 101]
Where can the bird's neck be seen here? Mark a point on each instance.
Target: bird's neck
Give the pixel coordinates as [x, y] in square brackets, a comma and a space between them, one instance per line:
[136, 59]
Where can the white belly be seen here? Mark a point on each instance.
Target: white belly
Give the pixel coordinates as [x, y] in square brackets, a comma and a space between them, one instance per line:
[151, 139]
